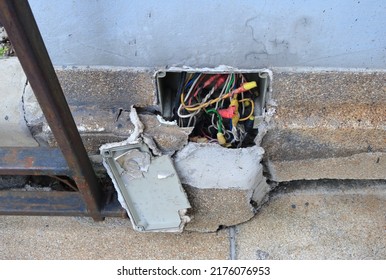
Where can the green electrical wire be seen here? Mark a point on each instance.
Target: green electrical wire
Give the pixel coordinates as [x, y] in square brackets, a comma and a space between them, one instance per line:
[213, 111]
[230, 82]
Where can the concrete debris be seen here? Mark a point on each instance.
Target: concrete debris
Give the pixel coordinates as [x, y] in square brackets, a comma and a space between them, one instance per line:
[239, 180]
[163, 121]
[221, 183]
[29, 188]
[138, 126]
[167, 136]
[136, 135]
[149, 141]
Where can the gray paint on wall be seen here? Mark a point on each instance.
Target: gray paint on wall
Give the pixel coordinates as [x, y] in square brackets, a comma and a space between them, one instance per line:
[246, 34]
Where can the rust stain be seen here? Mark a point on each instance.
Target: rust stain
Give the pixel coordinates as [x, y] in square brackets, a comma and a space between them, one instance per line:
[29, 162]
[11, 157]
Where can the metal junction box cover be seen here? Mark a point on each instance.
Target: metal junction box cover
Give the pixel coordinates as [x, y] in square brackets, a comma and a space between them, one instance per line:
[148, 187]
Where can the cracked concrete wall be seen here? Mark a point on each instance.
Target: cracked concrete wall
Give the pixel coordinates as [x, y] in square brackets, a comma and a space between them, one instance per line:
[243, 34]
[328, 124]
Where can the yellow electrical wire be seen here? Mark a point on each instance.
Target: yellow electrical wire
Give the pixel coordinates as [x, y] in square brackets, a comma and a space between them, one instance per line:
[252, 109]
[203, 105]
[244, 87]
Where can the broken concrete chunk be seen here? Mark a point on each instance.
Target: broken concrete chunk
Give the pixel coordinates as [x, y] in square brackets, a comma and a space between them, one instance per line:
[221, 183]
[168, 136]
[212, 166]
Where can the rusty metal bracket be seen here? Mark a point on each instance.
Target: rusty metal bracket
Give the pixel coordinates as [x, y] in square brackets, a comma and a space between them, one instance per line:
[33, 161]
[23, 32]
[52, 203]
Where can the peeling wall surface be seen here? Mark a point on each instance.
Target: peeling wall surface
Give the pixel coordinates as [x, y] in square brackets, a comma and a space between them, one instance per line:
[247, 34]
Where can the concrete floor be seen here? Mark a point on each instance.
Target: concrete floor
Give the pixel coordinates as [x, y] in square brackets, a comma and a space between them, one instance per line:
[314, 220]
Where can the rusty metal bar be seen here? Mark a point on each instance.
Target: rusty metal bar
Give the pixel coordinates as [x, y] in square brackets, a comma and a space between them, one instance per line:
[53, 203]
[33, 161]
[23, 32]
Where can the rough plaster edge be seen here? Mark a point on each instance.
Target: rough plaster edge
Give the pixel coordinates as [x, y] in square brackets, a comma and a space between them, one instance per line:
[268, 113]
[163, 121]
[222, 68]
[134, 137]
[271, 104]
[218, 69]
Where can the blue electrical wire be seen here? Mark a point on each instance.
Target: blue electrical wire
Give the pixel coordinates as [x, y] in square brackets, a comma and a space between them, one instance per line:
[195, 76]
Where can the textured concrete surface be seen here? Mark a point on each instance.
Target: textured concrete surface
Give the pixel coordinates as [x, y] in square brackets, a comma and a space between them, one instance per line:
[208, 166]
[333, 120]
[13, 128]
[78, 238]
[168, 138]
[215, 208]
[108, 87]
[303, 220]
[318, 220]
[100, 126]
[99, 98]
[359, 166]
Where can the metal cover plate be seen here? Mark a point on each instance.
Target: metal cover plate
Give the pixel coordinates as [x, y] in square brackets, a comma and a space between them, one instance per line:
[149, 187]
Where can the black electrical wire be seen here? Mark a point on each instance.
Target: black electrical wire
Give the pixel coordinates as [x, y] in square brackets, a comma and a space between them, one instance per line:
[178, 95]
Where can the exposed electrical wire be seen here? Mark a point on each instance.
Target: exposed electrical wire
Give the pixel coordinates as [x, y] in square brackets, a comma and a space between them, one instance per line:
[218, 106]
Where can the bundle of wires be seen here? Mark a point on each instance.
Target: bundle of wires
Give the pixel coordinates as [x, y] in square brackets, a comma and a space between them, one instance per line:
[220, 107]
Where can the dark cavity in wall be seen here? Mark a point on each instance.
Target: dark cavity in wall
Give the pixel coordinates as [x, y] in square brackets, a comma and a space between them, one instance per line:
[224, 107]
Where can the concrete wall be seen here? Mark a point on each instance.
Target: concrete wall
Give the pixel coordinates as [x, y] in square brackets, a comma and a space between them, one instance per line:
[248, 34]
